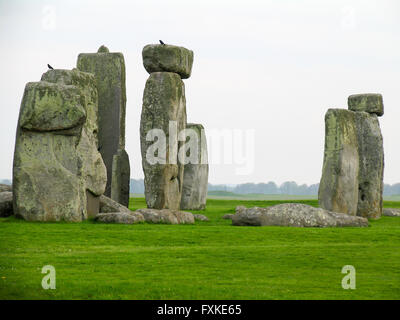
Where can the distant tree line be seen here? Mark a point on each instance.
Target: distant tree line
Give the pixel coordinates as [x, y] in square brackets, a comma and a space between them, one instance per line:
[136, 186]
[391, 190]
[289, 187]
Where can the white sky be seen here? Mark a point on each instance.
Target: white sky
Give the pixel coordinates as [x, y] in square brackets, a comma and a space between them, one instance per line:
[271, 66]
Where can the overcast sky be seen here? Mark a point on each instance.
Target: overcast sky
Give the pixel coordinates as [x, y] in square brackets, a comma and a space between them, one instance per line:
[274, 67]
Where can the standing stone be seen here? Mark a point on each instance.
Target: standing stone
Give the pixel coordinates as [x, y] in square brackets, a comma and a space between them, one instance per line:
[120, 177]
[56, 161]
[370, 176]
[164, 109]
[338, 190]
[353, 184]
[109, 71]
[195, 178]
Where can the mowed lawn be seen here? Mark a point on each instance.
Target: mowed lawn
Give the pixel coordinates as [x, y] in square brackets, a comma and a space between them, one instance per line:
[208, 260]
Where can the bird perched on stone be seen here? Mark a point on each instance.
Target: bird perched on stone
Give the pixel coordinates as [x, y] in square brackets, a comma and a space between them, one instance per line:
[162, 42]
[50, 67]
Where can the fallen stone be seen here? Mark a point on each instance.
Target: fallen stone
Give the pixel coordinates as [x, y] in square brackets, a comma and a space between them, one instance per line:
[247, 216]
[301, 215]
[56, 161]
[200, 217]
[228, 216]
[164, 107]
[109, 70]
[296, 215]
[195, 177]
[168, 58]
[5, 187]
[167, 216]
[6, 204]
[108, 205]
[119, 217]
[390, 212]
[338, 190]
[367, 102]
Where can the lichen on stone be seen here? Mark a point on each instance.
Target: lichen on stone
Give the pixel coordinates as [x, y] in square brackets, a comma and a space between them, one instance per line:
[56, 161]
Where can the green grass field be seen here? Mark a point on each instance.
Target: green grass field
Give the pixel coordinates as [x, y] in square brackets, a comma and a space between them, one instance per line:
[209, 260]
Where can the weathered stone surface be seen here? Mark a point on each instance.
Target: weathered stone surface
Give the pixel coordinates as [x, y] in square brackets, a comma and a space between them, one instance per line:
[301, 215]
[352, 175]
[52, 107]
[109, 71]
[370, 176]
[108, 205]
[247, 216]
[390, 212]
[119, 217]
[295, 215]
[6, 204]
[103, 49]
[338, 190]
[168, 58]
[164, 106]
[195, 178]
[367, 102]
[200, 217]
[121, 173]
[228, 216]
[167, 216]
[5, 187]
[92, 204]
[56, 159]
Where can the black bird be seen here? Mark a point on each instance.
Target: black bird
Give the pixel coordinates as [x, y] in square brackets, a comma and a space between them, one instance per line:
[162, 42]
[50, 67]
